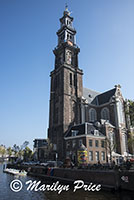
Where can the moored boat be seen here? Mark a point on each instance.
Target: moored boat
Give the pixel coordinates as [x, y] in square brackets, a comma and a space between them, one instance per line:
[15, 172]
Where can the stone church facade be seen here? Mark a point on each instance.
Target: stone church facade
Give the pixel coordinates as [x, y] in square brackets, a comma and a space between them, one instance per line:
[78, 115]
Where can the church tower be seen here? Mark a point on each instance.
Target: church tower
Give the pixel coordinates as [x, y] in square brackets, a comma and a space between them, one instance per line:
[66, 85]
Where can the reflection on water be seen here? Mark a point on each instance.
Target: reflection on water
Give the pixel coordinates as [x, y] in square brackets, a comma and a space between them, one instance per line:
[6, 193]
[81, 195]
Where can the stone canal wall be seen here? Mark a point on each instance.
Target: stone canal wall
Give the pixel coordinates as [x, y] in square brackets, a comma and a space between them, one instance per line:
[109, 179]
[105, 178]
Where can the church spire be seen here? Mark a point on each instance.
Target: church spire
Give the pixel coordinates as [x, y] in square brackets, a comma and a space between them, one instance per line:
[66, 33]
[66, 51]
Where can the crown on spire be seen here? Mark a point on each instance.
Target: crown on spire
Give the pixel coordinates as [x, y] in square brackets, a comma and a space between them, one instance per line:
[66, 7]
[66, 10]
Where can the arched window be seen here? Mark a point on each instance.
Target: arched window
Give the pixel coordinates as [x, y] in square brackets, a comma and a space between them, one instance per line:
[105, 114]
[92, 115]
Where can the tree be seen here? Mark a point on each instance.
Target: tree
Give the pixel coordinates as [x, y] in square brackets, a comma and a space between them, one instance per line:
[110, 147]
[9, 152]
[27, 154]
[24, 145]
[129, 110]
[19, 151]
[16, 150]
[131, 142]
[2, 150]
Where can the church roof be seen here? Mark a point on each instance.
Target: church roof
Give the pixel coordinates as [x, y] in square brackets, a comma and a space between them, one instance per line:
[89, 94]
[106, 96]
[96, 98]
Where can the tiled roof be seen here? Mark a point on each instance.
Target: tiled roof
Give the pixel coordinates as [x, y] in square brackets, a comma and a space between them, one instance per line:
[105, 97]
[89, 94]
[96, 98]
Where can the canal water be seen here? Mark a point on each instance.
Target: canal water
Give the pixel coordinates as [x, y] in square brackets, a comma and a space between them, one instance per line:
[7, 194]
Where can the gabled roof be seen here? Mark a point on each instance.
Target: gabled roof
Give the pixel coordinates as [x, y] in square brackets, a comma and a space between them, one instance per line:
[106, 96]
[96, 98]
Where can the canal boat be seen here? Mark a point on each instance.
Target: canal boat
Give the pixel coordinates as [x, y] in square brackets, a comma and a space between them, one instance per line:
[15, 172]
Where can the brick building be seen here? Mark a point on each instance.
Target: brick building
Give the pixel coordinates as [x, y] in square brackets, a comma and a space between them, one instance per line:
[41, 150]
[79, 115]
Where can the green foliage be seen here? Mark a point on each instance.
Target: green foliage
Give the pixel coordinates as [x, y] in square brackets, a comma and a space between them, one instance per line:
[16, 150]
[21, 152]
[27, 154]
[131, 142]
[131, 111]
[2, 150]
[9, 151]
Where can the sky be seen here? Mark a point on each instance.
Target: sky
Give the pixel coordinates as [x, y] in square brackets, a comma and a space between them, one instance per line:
[105, 35]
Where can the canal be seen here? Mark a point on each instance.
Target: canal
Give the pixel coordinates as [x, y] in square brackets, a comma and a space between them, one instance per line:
[6, 193]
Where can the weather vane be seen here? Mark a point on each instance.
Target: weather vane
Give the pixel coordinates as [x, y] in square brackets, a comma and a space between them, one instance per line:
[66, 9]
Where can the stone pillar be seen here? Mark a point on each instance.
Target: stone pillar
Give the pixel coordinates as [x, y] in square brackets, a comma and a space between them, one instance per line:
[82, 113]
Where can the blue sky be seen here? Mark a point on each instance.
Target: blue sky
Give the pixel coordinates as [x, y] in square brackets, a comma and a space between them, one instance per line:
[105, 35]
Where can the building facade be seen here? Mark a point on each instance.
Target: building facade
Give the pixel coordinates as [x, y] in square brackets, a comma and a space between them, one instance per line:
[41, 150]
[79, 115]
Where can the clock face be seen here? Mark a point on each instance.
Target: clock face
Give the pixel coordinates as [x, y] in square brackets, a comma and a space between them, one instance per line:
[68, 57]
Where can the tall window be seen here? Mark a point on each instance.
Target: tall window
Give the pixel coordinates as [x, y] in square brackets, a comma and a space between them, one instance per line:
[92, 115]
[96, 143]
[102, 143]
[105, 114]
[70, 78]
[90, 143]
[90, 156]
[97, 155]
[103, 156]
